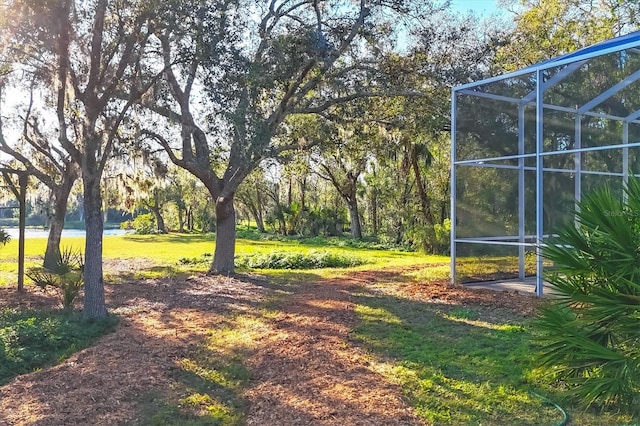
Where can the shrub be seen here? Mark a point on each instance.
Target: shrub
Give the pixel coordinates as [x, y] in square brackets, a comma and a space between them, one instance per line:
[591, 327]
[284, 260]
[4, 237]
[144, 224]
[204, 258]
[66, 277]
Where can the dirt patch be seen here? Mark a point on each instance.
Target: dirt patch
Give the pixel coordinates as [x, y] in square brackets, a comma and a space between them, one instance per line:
[304, 369]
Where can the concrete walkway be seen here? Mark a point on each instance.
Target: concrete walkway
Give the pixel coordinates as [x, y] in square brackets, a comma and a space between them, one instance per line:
[526, 286]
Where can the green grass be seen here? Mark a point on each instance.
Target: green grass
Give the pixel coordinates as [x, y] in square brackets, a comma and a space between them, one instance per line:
[30, 340]
[466, 365]
[165, 251]
[171, 247]
[457, 365]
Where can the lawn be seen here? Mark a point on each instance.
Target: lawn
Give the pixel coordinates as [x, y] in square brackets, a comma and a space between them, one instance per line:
[166, 251]
[464, 364]
[458, 359]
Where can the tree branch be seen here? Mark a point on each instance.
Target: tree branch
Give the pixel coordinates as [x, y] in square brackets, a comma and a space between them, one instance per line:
[96, 47]
[344, 99]
[166, 146]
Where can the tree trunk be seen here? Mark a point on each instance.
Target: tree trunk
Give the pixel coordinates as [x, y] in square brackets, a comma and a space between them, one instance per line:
[257, 215]
[348, 192]
[159, 220]
[260, 223]
[420, 187]
[399, 231]
[61, 194]
[303, 193]
[259, 218]
[374, 211]
[94, 303]
[180, 219]
[354, 216]
[20, 192]
[223, 258]
[52, 252]
[283, 222]
[23, 180]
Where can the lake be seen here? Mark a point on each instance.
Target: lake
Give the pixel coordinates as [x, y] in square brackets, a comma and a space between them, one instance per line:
[44, 233]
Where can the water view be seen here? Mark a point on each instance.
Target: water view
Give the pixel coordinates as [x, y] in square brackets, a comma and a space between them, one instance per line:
[44, 233]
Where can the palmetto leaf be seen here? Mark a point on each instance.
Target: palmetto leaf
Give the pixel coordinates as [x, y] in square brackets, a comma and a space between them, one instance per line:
[590, 331]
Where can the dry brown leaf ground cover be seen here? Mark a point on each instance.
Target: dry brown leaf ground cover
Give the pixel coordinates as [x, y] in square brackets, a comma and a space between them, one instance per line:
[303, 368]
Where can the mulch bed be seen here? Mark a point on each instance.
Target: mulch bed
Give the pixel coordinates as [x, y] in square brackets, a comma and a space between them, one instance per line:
[304, 369]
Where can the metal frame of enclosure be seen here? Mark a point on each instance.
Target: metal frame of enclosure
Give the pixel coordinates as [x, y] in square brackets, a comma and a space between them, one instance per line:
[526, 145]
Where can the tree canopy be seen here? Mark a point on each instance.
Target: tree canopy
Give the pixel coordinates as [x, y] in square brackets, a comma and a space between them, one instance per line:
[317, 115]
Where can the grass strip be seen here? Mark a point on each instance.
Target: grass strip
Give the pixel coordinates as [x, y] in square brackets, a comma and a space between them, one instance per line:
[30, 340]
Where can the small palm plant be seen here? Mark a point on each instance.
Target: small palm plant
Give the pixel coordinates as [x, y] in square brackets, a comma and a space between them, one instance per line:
[4, 237]
[67, 276]
[590, 329]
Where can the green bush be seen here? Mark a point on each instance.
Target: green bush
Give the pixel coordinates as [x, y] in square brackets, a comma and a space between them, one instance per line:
[591, 326]
[284, 260]
[372, 243]
[30, 340]
[204, 258]
[4, 237]
[144, 224]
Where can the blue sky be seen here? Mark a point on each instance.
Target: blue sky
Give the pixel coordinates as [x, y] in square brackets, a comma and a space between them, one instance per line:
[481, 7]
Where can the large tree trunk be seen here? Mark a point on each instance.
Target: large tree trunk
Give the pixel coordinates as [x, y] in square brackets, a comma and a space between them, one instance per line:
[351, 198]
[347, 191]
[223, 258]
[160, 226]
[94, 303]
[157, 211]
[190, 220]
[425, 202]
[52, 252]
[354, 216]
[256, 214]
[61, 194]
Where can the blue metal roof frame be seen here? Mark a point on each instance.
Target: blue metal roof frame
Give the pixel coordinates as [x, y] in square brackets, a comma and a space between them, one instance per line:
[627, 41]
[538, 76]
[621, 42]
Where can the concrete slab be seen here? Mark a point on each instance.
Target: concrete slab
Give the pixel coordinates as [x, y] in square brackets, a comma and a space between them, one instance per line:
[526, 286]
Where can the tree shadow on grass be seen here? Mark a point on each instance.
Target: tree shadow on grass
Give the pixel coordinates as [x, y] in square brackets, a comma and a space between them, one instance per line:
[187, 348]
[173, 238]
[453, 370]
